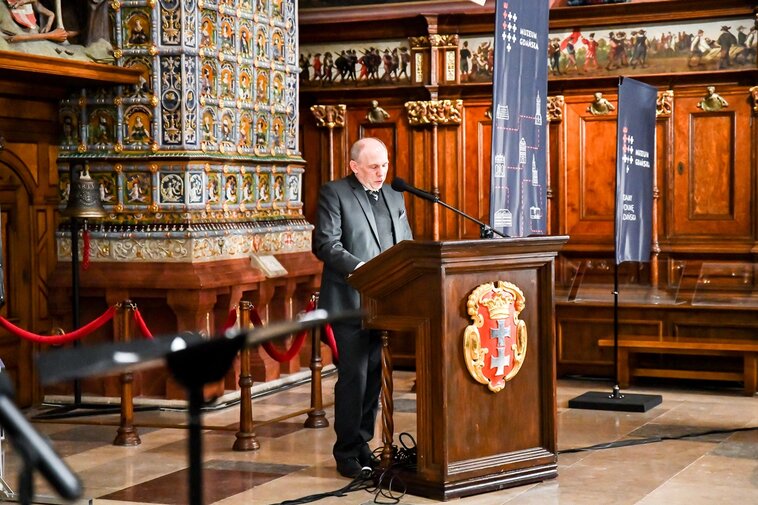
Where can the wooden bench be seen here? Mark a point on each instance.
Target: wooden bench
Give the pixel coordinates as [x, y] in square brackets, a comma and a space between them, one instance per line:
[748, 351]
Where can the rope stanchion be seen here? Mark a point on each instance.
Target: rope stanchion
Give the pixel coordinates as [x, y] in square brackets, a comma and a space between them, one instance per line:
[126, 435]
[245, 439]
[59, 339]
[141, 324]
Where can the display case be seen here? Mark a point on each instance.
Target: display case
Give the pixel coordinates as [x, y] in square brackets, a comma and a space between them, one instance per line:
[699, 322]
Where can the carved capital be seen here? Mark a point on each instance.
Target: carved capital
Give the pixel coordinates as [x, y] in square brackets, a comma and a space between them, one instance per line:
[665, 103]
[329, 116]
[417, 42]
[440, 40]
[754, 94]
[434, 112]
[555, 105]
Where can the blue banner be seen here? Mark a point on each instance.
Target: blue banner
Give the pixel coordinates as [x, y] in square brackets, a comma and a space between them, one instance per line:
[635, 165]
[518, 185]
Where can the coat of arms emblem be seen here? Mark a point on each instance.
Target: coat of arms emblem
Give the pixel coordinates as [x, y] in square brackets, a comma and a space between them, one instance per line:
[494, 346]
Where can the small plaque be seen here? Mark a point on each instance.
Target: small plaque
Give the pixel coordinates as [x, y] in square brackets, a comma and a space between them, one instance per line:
[268, 264]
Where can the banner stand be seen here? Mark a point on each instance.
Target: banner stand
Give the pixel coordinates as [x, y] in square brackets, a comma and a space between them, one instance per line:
[632, 224]
[615, 400]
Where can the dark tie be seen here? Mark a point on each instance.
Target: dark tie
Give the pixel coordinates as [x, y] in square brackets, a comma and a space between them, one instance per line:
[373, 194]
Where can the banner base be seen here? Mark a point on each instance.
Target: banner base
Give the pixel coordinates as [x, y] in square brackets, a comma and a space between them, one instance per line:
[598, 400]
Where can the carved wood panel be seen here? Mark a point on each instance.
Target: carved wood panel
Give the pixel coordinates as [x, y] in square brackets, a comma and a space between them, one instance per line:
[588, 174]
[712, 177]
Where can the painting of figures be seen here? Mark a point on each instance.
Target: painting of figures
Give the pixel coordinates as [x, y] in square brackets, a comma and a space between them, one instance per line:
[355, 64]
[724, 44]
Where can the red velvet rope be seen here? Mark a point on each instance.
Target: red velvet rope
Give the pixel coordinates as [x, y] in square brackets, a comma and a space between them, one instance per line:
[269, 347]
[328, 335]
[59, 339]
[141, 325]
[85, 250]
[299, 339]
[230, 320]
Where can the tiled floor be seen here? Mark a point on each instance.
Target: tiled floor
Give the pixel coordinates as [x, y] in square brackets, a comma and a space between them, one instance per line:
[294, 462]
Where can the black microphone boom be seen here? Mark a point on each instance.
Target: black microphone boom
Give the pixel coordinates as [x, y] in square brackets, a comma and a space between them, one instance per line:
[400, 185]
[485, 231]
[25, 438]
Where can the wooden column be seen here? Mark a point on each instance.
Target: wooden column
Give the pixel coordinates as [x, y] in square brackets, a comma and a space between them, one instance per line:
[329, 117]
[555, 106]
[434, 113]
[664, 107]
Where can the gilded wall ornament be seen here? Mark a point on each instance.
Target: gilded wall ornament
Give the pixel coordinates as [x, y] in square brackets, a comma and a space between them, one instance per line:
[664, 105]
[422, 41]
[754, 94]
[329, 116]
[446, 40]
[712, 101]
[434, 112]
[555, 105]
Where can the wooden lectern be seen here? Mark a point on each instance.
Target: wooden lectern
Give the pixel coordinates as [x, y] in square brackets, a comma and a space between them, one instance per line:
[470, 439]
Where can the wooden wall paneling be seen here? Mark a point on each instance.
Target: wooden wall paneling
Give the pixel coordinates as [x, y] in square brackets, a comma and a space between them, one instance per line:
[452, 184]
[589, 175]
[475, 166]
[324, 149]
[556, 158]
[713, 175]
[421, 211]
[663, 159]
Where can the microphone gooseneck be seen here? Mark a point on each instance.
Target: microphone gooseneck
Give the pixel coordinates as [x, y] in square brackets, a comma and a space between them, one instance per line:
[400, 185]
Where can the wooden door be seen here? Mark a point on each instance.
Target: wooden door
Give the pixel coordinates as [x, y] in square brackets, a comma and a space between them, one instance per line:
[712, 176]
[15, 227]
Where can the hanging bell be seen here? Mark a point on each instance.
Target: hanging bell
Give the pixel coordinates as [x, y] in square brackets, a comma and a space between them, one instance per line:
[84, 198]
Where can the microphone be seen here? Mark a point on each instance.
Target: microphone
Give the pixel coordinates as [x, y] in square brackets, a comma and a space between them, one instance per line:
[29, 442]
[400, 185]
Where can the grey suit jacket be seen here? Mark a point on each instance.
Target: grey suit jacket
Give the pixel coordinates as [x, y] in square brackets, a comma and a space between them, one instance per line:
[346, 235]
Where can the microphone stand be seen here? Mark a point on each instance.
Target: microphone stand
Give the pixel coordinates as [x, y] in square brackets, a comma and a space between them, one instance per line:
[485, 230]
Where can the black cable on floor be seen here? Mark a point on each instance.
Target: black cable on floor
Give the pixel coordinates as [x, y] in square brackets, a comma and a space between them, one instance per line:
[650, 440]
[363, 481]
[378, 482]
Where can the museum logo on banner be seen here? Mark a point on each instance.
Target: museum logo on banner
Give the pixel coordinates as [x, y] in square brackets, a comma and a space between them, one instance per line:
[635, 164]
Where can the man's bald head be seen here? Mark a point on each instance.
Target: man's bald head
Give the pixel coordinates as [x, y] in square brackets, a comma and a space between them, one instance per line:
[360, 145]
[369, 163]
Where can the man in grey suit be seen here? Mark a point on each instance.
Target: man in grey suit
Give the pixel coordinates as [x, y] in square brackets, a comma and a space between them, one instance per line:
[358, 217]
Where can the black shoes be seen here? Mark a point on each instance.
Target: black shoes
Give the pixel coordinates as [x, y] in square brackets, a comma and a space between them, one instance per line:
[366, 457]
[350, 467]
[354, 467]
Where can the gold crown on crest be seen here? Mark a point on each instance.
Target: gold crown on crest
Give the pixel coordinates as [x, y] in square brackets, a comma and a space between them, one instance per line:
[499, 303]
